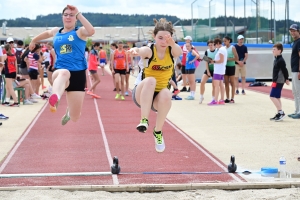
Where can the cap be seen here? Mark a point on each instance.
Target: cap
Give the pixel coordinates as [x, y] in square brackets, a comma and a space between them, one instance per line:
[240, 37]
[294, 27]
[188, 38]
[9, 39]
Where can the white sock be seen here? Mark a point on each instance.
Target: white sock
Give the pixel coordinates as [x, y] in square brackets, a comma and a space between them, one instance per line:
[193, 93]
[213, 98]
[58, 96]
[201, 95]
[7, 99]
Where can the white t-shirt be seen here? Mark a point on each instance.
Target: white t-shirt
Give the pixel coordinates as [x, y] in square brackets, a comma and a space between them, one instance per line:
[47, 56]
[219, 68]
[1, 53]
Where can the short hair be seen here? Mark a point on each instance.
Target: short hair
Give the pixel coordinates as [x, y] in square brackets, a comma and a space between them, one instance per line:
[209, 41]
[217, 41]
[120, 42]
[20, 43]
[97, 44]
[228, 38]
[279, 46]
[114, 44]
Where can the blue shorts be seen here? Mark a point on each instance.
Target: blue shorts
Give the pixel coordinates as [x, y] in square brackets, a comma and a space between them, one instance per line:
[102, 62]
[276, 91]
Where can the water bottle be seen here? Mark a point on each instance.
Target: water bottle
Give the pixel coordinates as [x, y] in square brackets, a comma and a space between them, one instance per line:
[282, 163]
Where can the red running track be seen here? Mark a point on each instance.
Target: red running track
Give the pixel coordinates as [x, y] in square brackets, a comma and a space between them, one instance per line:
[106, 128]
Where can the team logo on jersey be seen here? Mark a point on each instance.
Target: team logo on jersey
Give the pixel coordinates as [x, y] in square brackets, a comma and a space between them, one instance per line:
[66, 48]
[70, 38]
[161, 68]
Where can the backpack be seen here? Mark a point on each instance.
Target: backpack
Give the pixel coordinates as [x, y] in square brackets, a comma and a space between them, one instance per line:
[254, 84]
[23, 63]
[18, 56]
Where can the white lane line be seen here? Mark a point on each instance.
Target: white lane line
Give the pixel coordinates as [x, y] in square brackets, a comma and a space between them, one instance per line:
[204, 151]
[108, 154]
[10, 155]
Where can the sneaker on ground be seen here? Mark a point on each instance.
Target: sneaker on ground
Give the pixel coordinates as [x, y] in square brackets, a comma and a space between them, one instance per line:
[243, 92]
[143, 126]
[237, 92]
[276, 115]
[213, 103]
[65, 118]
[227, 101]
[126, 94]
[296, 116]
[35, 96]
[221, 102]
[3, 117]
[5, 104]
[117, 96]
[115, 89]
[232, 101]
[290, 115]
[159, 141]
[53, 101]
[190, 98]
[33, 100]
[279, 117]
[201, 100]
[122, 97]
[27, 102]
[183, 89]
[175, 97]
[15, 105]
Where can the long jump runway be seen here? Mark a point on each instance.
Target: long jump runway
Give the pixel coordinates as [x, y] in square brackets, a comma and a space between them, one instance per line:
[107, 128]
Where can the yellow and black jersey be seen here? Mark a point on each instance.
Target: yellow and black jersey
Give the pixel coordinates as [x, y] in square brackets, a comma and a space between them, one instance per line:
[161, 70]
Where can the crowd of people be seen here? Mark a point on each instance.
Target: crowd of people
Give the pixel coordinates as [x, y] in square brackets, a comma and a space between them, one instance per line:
[67, 59]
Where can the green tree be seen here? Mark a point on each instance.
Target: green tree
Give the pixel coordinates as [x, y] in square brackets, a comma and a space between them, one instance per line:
[89, 43]
[27, 40]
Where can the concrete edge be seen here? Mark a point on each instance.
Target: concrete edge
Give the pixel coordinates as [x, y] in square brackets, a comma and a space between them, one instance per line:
[163, 187]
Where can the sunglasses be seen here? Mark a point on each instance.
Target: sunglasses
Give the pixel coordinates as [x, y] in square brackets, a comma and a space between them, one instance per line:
[10, 42]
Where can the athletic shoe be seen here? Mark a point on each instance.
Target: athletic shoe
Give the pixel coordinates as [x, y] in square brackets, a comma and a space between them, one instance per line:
[201, 100]
[175, 92]
[33, 100]
[3, 117]
[27, 102]
[65, 118]
[189, 98]
[126, 94]
[159, 141]
[176, 97]
[96, 96]
[243, 92]
[279, 117]
[275, 117]
[115, 89]
[35, 96]
[53, 101]
[296, 116]
[89, 93]
[221, 102]
[117, 96]
[232, 101]
[15, 105]
[0, 123]
[183, 89]
[5, 104]
[290, 115]
[122, 97]
[237, 92]
[227, 101]
[213, 103]
[189, 89]
[143, 126]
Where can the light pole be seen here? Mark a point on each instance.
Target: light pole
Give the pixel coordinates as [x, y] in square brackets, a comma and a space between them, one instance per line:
[274, 23]
[209, 21]
[192, 24]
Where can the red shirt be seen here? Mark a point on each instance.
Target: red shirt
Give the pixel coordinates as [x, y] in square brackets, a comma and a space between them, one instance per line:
[120, 59]
[10, 62]
[93, 60]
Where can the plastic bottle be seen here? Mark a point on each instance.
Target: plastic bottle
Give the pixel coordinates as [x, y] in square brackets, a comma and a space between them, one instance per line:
[282, 168]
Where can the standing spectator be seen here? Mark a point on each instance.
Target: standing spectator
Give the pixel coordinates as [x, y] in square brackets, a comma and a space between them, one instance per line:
[188, 39]
[19, 52]
[279, 77]
[295, 65]
[102, 59]
[240, 68]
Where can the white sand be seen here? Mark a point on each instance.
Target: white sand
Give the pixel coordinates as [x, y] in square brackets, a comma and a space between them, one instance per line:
[292, 193]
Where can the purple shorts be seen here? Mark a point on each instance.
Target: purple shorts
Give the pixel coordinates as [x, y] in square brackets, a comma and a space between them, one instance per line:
[218, 77]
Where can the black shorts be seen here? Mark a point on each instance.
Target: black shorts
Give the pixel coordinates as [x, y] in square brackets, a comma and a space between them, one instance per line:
[93, 71]
[230, 71]
[190, 71]
[128, 70]
[33, 74]
[120, 71]
[11, 75]
[77, 81]
[183, 69]
[211, 73]
[136, 103]
[51, 68]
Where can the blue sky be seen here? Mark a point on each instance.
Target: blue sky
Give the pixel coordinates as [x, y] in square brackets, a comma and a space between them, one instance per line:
[12, 9]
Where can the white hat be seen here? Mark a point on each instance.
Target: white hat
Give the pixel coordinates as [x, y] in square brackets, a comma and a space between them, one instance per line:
[188, 38]
[10, 39]
[240, 37]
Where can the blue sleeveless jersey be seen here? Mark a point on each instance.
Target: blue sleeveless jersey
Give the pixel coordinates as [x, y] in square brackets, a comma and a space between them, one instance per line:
[69, 49]
[190, 57]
